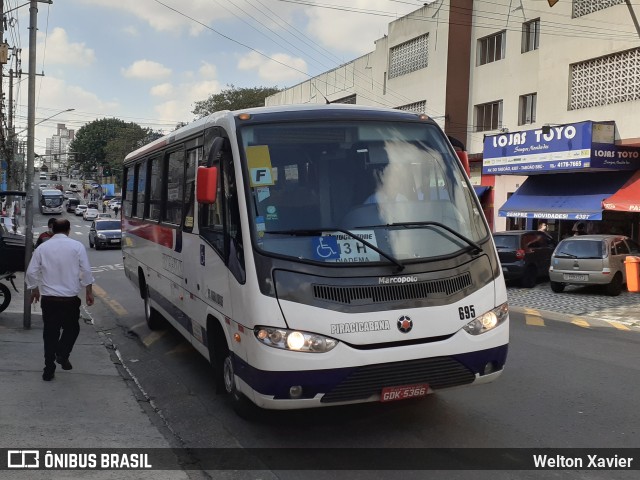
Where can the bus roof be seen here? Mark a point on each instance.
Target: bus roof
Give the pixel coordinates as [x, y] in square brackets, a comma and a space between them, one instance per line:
[214, 118]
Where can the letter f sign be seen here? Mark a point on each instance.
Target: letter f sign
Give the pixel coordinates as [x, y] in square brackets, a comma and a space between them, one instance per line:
[261, 176]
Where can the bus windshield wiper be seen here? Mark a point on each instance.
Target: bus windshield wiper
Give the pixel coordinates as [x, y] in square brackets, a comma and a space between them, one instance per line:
[475, 247]
[315, 231]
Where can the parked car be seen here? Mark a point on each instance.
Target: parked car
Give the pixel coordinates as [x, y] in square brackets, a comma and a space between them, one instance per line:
[90, 214]
[43, 176]
[80, 209]
[72, 203]
[525, 255]
[105, 233]
[592, 260]
[115, 202]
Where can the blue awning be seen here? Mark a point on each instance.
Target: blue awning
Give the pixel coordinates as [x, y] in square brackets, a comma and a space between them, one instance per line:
[480, 190]
[564, 196]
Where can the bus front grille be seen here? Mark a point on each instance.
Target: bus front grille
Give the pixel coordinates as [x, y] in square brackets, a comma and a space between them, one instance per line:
[389, 293]
[439, 372]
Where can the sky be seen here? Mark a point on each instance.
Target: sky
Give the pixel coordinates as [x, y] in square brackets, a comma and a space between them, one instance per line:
[148, 61]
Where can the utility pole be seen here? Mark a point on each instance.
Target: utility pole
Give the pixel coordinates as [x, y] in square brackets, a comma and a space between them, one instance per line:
[31, 117]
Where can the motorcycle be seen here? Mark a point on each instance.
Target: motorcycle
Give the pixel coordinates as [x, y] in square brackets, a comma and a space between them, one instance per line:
[12, 253]
[5, 292]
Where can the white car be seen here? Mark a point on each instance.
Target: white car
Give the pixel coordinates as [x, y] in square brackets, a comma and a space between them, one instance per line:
[90, 214]
[80, 209]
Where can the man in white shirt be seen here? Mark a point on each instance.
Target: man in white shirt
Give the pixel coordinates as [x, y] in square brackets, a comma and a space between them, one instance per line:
[57, 272]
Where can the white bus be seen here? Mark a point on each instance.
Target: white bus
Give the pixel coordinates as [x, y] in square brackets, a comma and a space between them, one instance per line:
[317, 255]
[51, 201]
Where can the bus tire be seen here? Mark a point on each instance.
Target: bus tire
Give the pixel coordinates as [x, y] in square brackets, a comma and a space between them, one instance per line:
[243, 407]
[151, 315]
[5, 297]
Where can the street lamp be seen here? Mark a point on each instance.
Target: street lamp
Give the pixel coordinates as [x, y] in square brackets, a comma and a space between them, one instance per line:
[28, 209]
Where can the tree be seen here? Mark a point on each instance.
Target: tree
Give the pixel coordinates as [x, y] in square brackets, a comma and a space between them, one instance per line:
[233, 98]
[106, 142]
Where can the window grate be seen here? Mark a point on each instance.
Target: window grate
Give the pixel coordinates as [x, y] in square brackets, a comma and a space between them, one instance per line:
[605, 80]
[585, 7]
[409, 56]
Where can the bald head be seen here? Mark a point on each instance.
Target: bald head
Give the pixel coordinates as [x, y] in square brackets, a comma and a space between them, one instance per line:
[62, 225]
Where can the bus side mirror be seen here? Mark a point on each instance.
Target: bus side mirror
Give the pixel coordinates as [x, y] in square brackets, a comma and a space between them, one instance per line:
[207, 181]
[464, 158]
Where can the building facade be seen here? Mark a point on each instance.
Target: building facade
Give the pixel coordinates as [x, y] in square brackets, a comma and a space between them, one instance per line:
[57, 148]
[484, 68]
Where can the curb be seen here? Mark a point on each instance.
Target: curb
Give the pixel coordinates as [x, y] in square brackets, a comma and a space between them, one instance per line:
[579, 320]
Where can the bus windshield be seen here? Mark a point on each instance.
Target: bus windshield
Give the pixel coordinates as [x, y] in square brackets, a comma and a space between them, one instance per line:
[52, 199]
[316, 187]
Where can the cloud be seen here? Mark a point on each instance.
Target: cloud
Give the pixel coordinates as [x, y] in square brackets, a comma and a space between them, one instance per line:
[55, 95]
[146, 69]
[161, 90]
[354, 32]
[173, 19]
[195, 87]
[131, 31]
[59, 51]
[283, 67]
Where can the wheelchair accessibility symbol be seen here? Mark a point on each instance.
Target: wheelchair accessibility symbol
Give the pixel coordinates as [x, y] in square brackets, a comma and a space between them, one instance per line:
[326, 248]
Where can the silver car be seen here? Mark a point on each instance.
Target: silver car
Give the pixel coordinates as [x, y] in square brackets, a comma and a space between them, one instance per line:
[592, 260]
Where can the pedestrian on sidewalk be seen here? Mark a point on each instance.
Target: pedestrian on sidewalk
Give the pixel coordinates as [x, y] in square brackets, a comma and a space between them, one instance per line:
[58, 270]
[115, 210]
[44, 236]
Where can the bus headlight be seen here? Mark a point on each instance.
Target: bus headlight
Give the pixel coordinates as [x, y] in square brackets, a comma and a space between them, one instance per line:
[487, 321]
[294, 340]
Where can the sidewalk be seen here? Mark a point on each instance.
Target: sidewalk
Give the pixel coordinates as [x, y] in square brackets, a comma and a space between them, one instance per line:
[91, 406]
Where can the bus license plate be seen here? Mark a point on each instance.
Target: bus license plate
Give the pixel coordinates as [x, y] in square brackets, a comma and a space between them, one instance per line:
[404, 392]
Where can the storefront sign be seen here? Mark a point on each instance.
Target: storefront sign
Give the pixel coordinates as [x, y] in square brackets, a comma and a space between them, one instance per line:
[570, 147]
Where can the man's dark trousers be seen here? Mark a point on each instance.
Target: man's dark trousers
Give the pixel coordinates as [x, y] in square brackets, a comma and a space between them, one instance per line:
[59, 313]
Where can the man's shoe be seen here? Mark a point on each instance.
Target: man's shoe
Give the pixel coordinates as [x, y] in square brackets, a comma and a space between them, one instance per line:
[48, 376]
[64, 362]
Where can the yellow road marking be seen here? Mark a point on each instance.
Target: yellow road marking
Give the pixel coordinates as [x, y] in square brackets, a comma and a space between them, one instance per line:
[531, 311]
[618, 325]
[581, 323]
[113, 304]
[182, 348]
[153, 337]
[534, 320]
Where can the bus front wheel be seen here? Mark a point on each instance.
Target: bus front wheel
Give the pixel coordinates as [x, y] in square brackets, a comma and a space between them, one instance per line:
[243, 407]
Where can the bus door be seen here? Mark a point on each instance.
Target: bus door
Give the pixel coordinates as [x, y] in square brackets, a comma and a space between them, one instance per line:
[220, 251]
